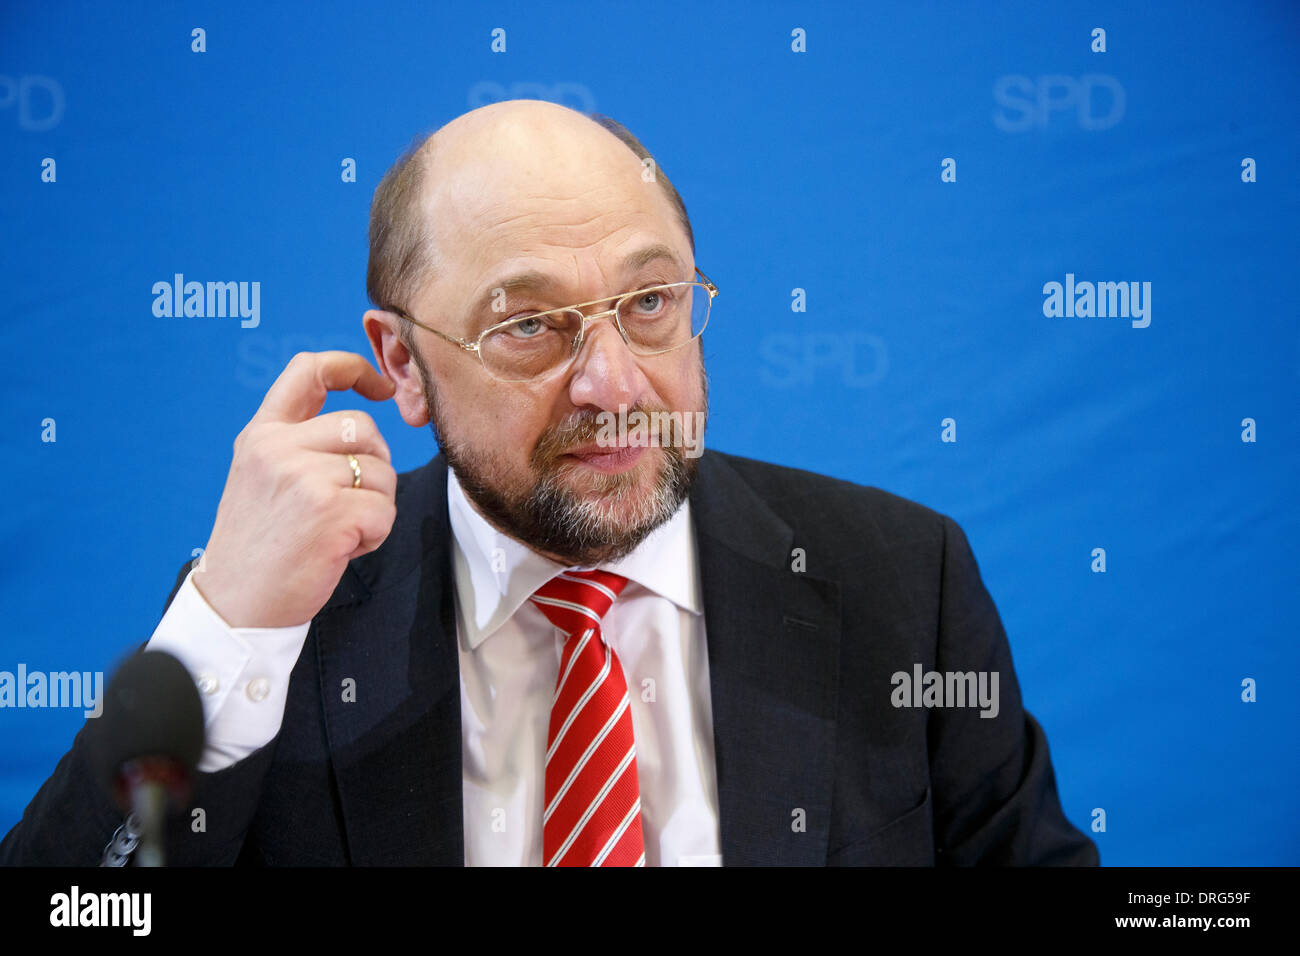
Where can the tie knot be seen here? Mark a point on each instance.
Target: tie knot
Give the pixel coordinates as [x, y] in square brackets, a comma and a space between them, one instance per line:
[576, 600]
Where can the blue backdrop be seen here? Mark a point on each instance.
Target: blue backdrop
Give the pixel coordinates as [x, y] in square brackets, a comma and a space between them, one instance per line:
[912, 175]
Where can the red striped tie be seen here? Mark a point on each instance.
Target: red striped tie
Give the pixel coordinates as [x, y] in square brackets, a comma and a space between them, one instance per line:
[592, 813]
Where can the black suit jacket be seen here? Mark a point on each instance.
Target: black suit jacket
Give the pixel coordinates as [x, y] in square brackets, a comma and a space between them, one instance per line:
[814, 764]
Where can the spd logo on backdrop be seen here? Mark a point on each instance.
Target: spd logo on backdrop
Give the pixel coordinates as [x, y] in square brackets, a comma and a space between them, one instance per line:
[1096, 99]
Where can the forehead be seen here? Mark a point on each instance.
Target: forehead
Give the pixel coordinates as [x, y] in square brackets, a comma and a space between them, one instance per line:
[567, 201]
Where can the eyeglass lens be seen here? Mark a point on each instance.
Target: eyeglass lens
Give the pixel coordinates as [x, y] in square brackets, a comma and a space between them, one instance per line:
[655, 320]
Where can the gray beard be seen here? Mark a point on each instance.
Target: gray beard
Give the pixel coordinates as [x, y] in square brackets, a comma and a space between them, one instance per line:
[550, 518]
[553, 520]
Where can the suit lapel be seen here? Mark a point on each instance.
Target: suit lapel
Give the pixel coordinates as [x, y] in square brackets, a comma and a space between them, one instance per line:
[773, 637]
[390, 684]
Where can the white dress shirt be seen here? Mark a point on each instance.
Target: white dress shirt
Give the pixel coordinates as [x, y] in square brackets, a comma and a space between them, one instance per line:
[509, 661]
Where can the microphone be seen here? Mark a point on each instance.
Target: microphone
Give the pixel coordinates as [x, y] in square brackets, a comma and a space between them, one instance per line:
[146, 743]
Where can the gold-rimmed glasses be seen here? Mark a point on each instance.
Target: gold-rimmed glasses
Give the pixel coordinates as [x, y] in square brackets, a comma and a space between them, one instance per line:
[533, 345]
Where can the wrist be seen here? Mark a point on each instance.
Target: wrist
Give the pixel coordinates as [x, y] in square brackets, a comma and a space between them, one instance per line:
[195, 577]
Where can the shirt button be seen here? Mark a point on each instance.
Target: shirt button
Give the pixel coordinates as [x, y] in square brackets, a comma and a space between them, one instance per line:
[207, 684]
[258, 688]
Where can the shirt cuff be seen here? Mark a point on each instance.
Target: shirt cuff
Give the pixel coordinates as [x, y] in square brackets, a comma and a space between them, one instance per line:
[242, 673]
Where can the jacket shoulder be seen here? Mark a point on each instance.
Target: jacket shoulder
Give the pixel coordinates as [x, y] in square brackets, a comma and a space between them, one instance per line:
[812, 502]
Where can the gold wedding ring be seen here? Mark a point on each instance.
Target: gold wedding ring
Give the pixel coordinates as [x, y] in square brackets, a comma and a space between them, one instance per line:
[356, 470]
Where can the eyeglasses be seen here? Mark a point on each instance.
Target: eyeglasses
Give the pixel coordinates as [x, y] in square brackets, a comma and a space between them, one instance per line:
[534, 345]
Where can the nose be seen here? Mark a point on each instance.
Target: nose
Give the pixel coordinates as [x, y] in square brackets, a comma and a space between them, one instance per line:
[605, 373]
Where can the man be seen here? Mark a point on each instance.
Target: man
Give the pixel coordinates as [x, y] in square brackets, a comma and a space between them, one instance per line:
[558, 643]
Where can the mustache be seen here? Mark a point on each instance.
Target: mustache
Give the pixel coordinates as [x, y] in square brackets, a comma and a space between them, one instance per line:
[582, 428]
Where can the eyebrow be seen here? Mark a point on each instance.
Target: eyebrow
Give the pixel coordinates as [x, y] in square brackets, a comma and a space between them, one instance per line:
[532, 280]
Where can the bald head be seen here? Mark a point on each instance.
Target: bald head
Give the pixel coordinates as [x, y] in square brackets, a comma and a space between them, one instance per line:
[532, 137]
[459, 186]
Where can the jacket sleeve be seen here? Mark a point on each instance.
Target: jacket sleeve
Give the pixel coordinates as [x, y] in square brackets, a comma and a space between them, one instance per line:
[994, 789]
[71, 820]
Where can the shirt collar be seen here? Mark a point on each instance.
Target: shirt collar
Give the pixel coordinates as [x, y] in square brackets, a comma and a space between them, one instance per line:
[495, 574]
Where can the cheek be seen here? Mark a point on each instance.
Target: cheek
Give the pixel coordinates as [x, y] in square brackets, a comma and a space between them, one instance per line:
[507, 427]
[685, 389]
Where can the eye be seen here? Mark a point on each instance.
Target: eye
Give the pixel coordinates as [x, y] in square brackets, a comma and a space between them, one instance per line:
[650, 303]
[528, 328]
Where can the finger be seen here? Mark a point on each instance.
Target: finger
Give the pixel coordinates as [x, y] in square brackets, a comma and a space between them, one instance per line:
[300, 391]
[376, 474]
[342, 432]
[371, 514]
